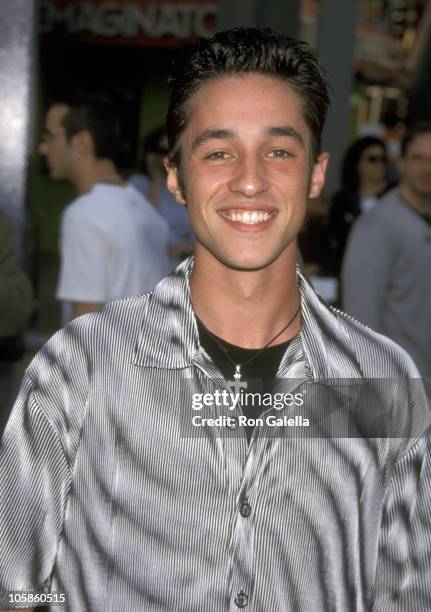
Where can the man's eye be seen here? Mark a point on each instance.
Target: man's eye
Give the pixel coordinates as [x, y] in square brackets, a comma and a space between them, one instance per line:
[280, 154]
[218, 155]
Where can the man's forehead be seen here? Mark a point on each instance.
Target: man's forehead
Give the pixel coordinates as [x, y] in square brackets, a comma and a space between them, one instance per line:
[250, 103]
[252, 83]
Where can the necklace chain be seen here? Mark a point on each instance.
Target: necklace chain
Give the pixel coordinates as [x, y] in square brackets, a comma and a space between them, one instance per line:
[237, 375]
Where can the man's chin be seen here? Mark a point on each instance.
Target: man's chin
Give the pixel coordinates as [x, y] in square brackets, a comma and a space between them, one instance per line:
[252, 264]
[249, 260]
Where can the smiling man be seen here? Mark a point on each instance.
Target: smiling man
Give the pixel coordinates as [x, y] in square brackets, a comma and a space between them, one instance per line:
[113, 499]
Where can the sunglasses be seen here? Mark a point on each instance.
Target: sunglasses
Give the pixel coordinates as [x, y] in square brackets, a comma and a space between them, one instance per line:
[374, 159]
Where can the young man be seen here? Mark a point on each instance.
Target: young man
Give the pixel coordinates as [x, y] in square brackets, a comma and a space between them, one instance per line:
[113, 242]
[386, 284]
[132, 480]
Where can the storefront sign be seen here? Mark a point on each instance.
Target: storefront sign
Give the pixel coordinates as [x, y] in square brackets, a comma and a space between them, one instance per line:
[126, 22]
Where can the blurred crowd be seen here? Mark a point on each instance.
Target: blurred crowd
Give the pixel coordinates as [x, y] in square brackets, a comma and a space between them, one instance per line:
[374, 241]
[367, 248]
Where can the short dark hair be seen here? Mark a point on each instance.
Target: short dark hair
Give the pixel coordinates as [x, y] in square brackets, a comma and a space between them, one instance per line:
[247, 51]
[423, 127]
[352, 157]
[95, 114]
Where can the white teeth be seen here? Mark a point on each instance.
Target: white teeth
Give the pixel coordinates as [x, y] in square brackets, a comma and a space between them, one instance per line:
[247, 217]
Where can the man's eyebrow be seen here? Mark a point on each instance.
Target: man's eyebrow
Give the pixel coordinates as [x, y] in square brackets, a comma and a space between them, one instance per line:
[285, 130]
[221, 134]
[211, 134]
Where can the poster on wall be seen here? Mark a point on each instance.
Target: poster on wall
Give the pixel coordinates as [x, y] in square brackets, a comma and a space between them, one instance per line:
[144, 23]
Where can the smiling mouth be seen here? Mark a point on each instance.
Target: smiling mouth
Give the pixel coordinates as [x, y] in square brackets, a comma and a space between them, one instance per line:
[248, 217]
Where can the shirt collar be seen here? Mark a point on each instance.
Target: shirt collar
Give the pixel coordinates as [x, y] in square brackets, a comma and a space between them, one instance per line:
[169, 337]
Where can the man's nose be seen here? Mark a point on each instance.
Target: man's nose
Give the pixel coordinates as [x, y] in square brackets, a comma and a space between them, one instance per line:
[249, 176]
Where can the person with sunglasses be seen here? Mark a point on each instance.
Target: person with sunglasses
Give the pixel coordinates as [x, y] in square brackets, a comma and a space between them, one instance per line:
[364, 178]
[385, 275]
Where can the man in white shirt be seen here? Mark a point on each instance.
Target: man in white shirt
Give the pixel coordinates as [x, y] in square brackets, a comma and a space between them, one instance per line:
[113, 242]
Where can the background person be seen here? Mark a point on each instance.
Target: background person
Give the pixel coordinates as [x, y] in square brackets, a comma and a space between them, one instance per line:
[386, 271]
[152, 184]
[363, 181]
[113, 242]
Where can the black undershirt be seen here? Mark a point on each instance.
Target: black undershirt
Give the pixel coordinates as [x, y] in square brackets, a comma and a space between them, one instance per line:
[259, 373]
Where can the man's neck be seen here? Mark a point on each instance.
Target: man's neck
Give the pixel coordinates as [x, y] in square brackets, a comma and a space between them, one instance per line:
[94, 171]
[246, 308]
[421, 203]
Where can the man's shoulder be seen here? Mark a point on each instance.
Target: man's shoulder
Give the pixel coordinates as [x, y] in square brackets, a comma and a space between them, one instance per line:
[100, 198]
[377, 355]
[101, 337]
[382, 222]
[389, 200]
[341, 346]
[384, 208]
[82, 208]
[123, 317]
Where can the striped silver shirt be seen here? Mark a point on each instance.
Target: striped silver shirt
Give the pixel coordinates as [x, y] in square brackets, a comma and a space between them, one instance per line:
[108, 496]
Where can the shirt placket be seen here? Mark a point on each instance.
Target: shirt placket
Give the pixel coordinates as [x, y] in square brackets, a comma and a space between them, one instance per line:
[239, 461]
[242, 546]
[245, 464]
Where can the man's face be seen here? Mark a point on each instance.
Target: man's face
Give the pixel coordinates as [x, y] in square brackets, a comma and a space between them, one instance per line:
[415, 166]
[54, 146]
[247, 170]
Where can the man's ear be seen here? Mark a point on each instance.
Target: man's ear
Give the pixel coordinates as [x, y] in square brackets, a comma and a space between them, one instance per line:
[173, 181]
[82, 144]
[318, 175]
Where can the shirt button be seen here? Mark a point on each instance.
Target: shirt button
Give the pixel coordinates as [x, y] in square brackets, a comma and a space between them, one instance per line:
[241, 600]
[245, 509]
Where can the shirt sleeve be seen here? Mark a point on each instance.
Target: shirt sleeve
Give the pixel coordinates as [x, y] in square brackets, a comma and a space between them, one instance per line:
[403, 577]
[35, 477]
[38, 451]
[85, 260]
[366, 270]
